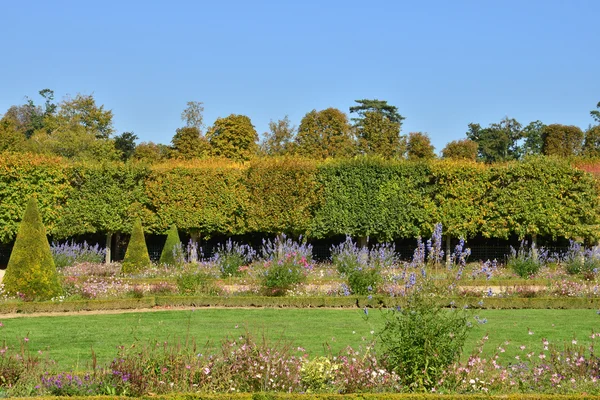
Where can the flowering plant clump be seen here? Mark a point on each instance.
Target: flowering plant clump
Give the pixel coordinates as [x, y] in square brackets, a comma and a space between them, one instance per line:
[286, 264]
[233, 258]
[581, 260]
[70, 253]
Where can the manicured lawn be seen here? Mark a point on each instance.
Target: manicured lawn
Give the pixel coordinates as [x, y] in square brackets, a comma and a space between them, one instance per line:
[68, 339]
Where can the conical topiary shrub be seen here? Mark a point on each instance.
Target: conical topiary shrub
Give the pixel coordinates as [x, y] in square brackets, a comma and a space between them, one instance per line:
[171, 251]
[136, 256]
[31, 271]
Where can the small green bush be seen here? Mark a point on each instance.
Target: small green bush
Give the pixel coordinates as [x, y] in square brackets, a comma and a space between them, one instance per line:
[317, 374]
[136, 256]
[194, 283]
[172, 253]
[421, 339]
[524, 262]
[31, 272]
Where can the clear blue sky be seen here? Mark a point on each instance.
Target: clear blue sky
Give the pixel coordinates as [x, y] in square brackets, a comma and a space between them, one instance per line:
[444, 64]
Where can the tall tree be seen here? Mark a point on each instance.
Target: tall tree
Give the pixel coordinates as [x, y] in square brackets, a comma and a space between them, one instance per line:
[151, 152]
[29, 118]
[125, 143]
[533, 139]
[189, 143]
[419, 147]
[83, 112]
[591, 145]
[193, 115]
[562, 140]
[498, 142]
[324, 134]
[280, 138]
[233, 137]
[464, 149]
[378, 128]
[596, 113]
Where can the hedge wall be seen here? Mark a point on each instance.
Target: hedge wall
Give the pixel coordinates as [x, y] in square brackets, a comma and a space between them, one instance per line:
[360, 197]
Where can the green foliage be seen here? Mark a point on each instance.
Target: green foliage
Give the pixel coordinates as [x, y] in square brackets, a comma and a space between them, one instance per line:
[419, 147]
[317, 374]
[378, 106]
[280, 140]
[498, 142]
[203, 196]
[421, 338]
[562, 140]
[534, 142]
[169, 255]
[280, 277]
[82, 112]
[136, 256]
[378, 135]
[591, 145]
[372, 197]
[31, 271]
[125, 143]
[193, 283]
[233, 137]
[464, 149]
[189, 143]
[23, 176]
[325, 134]
[282, 194]
[364, 281]
[524, 262]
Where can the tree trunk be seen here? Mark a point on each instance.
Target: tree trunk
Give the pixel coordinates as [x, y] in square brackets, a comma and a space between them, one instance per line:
[117, 252]
[195, 238]
[363, 241]
[107, 258]
[534, 249]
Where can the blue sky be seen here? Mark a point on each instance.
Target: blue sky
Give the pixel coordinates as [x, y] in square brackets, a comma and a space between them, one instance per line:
[444, 64]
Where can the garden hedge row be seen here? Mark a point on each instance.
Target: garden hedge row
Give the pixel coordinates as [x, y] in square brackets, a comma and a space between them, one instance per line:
[358, 396]
[360, 197]
[288, 302]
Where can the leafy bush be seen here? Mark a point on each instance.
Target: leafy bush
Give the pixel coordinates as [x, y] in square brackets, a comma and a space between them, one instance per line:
[421, 339]
[171, 252]
[231, 257]
[136, 256]
[318, 374]
[526, 262]
[192, 283]
[361, 266]
[286, 264]
[31, 272]
[579, 260]
[70, 253]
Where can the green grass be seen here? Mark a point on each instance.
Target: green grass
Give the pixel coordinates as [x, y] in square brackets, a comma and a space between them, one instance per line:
[69, 339]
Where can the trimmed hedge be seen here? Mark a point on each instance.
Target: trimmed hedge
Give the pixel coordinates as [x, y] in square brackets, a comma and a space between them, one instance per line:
[361, 197]
[287, 302]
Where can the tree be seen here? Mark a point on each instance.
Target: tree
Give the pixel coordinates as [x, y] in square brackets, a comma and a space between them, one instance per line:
[378, 106]
[83, 112]
[193, 115]
[280, 138]
[233, 137]
[464, 149]
[136, 256]
[125, 143]
[151, 152]
[562, 140]
[533, 139]
[324, 134]
[10, 138]
[31, 270]
[169, 255]
[419, 147]
[591, 145]
[498, 142]
[29, 118]
[189, 143]
[596, 113]
[378, 128]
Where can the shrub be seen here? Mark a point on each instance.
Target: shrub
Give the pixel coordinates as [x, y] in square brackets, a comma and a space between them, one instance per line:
[318, 374]
[579, 260]
[286, 264]
[70, 253]
[31, 271]
[231, 257]
[171, 253]
[421, 339]
[361, 267]
[136, 256]
[192, 283]
[525, 262]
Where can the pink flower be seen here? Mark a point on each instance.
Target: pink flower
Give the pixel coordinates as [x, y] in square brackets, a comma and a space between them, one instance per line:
[26, 339]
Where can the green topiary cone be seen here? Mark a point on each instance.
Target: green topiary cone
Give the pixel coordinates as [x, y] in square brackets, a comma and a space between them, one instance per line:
[31, 270]
[136, 256]
[173, 244]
